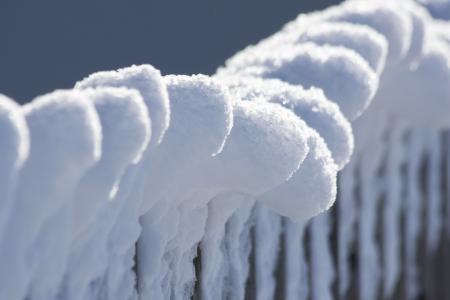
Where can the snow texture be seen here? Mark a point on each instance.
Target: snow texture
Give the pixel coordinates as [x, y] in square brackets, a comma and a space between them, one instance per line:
[322, 271]
[126, 230]
[310, 105]
[364, 40]
[145, 79]
[297, 285]
[347, 212]
[14, 145]
[126, 133]
[267, 241]
[113, 189]
[65, 139]
[316, 178]
[201, 122]
[386, 18]
[438, 8]
[343, 75]
[237, 249]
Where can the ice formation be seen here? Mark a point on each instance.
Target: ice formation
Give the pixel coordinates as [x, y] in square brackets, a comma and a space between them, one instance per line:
[343, 75]
[258, 124]
[123, 114]
[136, 186]
[14, 145]
[126, 229]
[201, 122]
[64, 141]
[310, 105]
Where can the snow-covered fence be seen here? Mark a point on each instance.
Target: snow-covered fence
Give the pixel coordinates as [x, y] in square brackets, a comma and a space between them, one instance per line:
[134, 185]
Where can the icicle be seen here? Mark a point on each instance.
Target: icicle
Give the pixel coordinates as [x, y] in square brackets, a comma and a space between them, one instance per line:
[392, 211]
[202, 118]
[297, 285]
[346, 206]
[413, 214]
[214, 264]
[183, 248]
[267, 236]
[259, 132]
[322, 268]
[447, 182]
[369, 262]
[434, 205]
[158, 229]
[238, 247]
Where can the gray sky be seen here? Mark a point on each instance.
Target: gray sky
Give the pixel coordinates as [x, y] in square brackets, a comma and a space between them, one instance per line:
[50, 44]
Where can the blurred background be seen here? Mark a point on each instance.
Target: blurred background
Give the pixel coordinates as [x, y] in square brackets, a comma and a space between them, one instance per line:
[50, 44]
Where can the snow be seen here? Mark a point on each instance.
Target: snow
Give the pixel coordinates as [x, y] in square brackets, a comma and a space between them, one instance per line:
[111, 190]
[347, 214]
[438, 8]
[145, 79]
[14, 145]
[316, 178]
[441, 29]
[278, 130]
[343, 75]
[267, 144]
[201, 122]
[401, 106]
[413, 221]
[237, 242]
[267, 241]
[386, 18]
[126, 230]
[215, 268]
[126, 133]
[297, 285]
[392, 210]
[310, 105]
[364, 40]
[322, 270]
[433, 181]
[64, 141]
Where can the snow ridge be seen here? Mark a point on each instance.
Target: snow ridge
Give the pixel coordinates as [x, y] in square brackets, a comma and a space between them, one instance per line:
[134, 185]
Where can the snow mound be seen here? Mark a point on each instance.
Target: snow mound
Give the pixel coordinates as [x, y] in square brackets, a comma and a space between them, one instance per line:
[364, 40]
[310, 105]
[148, 81]
[389, 19]
[14, 148]
[111, 189]
[267, 144]
[344, 76]
[65, 137]
[315, 180]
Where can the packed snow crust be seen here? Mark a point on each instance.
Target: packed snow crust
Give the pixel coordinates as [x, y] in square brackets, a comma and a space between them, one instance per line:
[127, 185]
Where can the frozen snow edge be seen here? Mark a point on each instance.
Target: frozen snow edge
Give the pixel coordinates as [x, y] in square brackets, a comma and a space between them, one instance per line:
[145, 168]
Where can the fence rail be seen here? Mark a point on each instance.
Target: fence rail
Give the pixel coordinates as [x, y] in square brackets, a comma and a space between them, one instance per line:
[134, 185]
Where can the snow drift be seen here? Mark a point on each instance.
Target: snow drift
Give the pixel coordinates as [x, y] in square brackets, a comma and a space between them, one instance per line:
[134, 185]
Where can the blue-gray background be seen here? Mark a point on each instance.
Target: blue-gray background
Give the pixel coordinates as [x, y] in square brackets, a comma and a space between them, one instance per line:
[50, 44]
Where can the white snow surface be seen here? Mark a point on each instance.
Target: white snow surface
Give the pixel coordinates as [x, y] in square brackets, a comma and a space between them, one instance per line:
[310, 105]
[111, 190]
[14, 145]
[343, 75]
